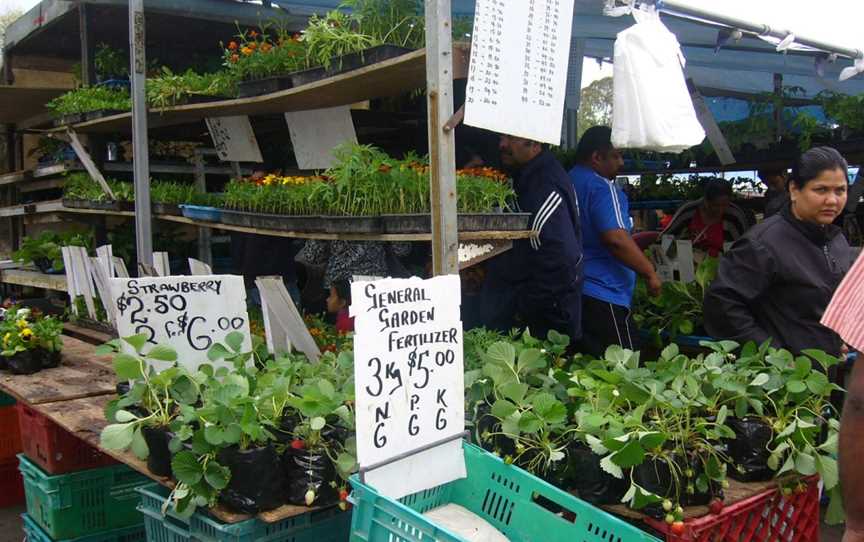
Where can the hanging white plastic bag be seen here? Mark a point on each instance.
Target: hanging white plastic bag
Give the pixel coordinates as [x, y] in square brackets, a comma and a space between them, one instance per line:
[652, 106]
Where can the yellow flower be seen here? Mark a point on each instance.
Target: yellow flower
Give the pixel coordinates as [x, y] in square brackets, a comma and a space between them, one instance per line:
[6, 339]
[26, 334]
[22, 323]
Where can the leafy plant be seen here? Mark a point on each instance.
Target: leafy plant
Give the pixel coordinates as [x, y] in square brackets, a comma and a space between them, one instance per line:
[169, 89]
[47, 247]
[398, 22]
[111, 62]
[678, 309]
[24, 330]
[80, 186]
[87, 99]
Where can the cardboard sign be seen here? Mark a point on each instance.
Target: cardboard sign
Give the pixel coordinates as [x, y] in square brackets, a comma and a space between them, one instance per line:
[518, 74]
[234, 139]
[315, 133]
[189, 313]
[408, 374]
[284, 327]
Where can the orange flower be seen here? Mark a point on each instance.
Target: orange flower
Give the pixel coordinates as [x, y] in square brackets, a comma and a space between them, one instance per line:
[265, 47]
[252, 45]
[253, 34]
[246, 51]
[235, 58]
[384, 168]
[232, 46]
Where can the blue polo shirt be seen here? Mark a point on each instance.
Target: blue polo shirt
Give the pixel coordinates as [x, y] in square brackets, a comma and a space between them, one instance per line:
[603, 207]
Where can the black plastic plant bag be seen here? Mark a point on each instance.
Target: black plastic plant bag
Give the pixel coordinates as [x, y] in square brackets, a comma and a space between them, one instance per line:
[591, 482]
[50, 358]
[655, 476]
[749, 449]
[24, 363]
[159, 458]
[307, 471]
[256, 479]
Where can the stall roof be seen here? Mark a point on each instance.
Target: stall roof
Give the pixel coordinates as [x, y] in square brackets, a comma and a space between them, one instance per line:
[747, 66]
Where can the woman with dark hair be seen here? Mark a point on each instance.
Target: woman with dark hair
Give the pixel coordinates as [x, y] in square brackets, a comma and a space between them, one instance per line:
[711, 221]
[776, 281]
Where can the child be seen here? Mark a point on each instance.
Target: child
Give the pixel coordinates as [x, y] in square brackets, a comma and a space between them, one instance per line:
[338, 302]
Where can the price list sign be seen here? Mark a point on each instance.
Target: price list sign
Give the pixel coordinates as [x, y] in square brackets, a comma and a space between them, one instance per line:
[518, 73]
[188, 313]
[408, 380]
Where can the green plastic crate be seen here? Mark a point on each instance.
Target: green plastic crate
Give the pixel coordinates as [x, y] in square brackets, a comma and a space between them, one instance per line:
[82, 503]
[327, 525]
[6, 399]
[504, 495]
[35, 533]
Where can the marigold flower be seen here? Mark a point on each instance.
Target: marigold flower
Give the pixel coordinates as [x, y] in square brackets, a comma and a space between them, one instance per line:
[235, 58]
[265, 47]
[253, 34]
[246, 51]
[232, 46]
[252, 45]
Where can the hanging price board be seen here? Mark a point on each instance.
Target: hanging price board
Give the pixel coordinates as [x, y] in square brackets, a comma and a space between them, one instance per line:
[188, 313]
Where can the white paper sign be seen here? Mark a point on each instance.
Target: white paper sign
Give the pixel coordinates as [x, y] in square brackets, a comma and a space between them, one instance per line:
[518, 73]
[189, 313]
[408, 374]
[234, 139]
[315, 133]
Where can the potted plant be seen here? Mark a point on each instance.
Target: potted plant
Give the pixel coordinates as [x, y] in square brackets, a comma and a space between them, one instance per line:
[44, 250]
[146, 417]
[31, 342]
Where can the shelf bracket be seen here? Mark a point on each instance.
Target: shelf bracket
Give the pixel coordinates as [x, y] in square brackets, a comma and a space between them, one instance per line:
[72, 138]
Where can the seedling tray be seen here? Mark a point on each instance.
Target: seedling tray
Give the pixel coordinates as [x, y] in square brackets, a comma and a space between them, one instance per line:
[309, 224]
[166, 209]
[338, 65]
[422, 223]
[99, 205]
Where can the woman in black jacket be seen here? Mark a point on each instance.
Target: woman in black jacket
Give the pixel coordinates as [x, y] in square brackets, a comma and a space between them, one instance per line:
[777, 280]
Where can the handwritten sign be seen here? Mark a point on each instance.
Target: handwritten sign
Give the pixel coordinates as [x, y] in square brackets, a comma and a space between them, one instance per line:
[234, 139]
[315, 133]
[518, 72]
[189, 313]
[408, 374]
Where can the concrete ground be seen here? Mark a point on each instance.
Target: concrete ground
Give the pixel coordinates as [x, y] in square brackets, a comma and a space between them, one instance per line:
[11, 529]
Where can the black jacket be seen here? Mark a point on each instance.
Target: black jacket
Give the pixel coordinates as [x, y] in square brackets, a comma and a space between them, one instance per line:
[776, 282]
[540, 280]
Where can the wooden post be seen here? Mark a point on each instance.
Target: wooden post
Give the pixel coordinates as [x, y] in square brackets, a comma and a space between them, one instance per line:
[442, 150]
[205, 250]
[88, 45]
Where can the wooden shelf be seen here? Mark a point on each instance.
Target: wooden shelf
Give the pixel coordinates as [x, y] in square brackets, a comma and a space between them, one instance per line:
[391, 77]
[52, 170]
[34, 279]
[51, 206]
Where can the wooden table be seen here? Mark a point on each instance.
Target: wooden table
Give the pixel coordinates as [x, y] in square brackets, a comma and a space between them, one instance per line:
[81, 374]
[85, 419]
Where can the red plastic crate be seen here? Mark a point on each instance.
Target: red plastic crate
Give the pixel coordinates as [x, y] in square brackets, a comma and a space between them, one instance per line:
[10, 435]
[766, 517]
[11, 484]
[53, 448]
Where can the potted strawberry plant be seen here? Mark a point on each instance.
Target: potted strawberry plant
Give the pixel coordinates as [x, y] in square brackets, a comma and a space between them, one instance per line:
[145, 418]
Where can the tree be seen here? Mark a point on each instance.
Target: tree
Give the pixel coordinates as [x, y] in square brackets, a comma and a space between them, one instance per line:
[595, 108]
[7, 17]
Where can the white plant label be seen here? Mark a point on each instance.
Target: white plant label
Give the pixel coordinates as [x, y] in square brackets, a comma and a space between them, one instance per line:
[315, 133]
[234, 139]
[518, 73]
[188, 313]
[408, 374]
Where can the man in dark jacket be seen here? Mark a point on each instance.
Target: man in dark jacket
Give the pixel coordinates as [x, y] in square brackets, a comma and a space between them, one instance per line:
[776, 282]
[538, 283]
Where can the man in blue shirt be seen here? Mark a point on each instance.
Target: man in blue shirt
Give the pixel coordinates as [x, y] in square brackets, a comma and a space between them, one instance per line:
[612, 258]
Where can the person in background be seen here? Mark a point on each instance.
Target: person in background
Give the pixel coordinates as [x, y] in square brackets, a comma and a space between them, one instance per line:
[338, 303]
[342, 260]
[710, 221]
[776, 196]
[776, 281]
[612, 258]
[538, 283]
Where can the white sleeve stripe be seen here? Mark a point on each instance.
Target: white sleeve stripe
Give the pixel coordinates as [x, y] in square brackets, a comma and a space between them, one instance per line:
[541, 210]
[617, 207]
[547, 210]
[548, 215]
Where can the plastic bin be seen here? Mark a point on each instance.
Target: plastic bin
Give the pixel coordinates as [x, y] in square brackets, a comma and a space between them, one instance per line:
[523, 507]
[35, 533]
[6, 399]
[763, 517]
[82, 503]
[11, 484]
[201, 212]
[327, 525]
[10, 434]
[54, 449]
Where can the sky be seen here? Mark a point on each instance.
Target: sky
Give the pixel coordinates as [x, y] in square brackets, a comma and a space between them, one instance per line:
[9, 5]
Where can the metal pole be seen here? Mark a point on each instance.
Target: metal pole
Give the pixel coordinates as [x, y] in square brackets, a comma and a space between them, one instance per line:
[680, 7]
[442, 153]
[205, 251]
[141, 165]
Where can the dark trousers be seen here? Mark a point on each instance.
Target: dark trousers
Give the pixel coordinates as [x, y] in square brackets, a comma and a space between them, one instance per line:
[605, 324]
